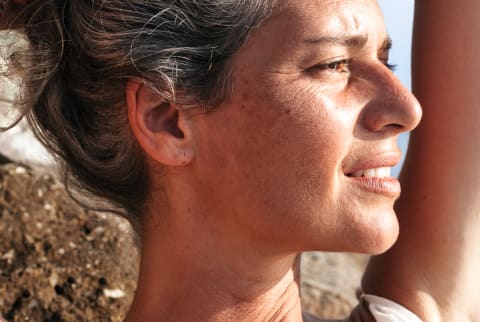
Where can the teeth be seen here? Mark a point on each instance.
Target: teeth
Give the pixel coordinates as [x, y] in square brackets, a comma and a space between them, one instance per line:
[383, 172]
[373, 173]
[369, 173]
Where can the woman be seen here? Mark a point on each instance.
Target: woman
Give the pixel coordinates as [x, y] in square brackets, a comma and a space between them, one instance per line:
[238, 134]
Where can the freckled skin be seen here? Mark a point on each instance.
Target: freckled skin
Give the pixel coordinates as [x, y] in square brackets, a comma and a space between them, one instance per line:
[273, 152]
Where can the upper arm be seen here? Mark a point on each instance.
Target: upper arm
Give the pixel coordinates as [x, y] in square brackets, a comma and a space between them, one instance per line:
[431, 269]
[446, 79]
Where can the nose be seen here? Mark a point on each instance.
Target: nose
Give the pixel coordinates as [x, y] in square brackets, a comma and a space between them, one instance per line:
[391, 107]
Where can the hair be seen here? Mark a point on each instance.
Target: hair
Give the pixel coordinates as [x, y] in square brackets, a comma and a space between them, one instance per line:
[80, 57]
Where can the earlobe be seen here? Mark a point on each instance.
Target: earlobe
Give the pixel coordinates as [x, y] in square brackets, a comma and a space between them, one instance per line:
[158, 125]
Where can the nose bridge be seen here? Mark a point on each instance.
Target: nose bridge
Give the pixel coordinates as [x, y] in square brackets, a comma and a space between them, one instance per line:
[392, 105]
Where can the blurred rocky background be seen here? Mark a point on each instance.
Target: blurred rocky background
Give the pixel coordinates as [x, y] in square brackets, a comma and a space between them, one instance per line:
[59, 262]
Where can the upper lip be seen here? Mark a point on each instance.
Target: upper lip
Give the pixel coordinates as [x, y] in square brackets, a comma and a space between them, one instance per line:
[386, 159]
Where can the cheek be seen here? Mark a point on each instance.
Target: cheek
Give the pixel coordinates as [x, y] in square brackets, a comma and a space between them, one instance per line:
[285, 151]
[276, 162]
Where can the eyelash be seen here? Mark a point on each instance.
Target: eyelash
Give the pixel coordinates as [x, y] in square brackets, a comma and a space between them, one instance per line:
[392, 67]
[332, 66]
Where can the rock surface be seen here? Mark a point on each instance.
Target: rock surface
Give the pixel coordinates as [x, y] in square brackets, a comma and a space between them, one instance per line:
[330, 282]
[59, 262]
[19, 142]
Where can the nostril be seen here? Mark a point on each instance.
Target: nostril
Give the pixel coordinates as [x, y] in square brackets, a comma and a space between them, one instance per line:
[395, 126]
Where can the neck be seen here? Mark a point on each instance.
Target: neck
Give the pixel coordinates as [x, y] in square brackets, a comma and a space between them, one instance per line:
[199, 281]
[197, 264]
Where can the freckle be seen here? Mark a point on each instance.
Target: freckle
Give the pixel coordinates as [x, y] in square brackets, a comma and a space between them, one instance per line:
[424, 197]
[242, 107]
[288, 111]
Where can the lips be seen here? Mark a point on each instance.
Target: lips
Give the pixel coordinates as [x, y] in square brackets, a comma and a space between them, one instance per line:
[373, 174]
[387, 187]
[374, 165]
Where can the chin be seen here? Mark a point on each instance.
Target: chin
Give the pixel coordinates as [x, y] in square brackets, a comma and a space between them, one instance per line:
[373, 236]
[381, 236]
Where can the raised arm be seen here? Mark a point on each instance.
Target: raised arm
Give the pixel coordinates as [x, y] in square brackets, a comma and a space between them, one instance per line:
[434, 267]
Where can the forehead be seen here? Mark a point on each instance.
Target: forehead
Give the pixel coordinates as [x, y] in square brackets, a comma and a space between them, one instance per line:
[294, 35]
[326, 17]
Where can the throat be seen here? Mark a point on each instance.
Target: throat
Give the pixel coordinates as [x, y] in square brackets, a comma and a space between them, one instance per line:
[204, 299]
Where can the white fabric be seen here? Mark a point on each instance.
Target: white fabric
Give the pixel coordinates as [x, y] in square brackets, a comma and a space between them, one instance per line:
[384, 310]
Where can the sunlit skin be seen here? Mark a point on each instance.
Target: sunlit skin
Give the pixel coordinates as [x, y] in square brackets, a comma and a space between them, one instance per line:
[309, 106]
[268, 173]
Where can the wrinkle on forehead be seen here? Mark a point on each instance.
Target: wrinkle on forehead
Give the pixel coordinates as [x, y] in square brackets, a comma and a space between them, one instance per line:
[280, 44]
[350, 19]
[326, 17]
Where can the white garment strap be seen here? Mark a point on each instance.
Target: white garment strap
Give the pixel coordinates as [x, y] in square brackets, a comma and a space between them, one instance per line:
[384, 310]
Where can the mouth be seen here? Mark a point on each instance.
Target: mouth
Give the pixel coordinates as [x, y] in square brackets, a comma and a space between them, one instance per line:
[378, 165]
[385, 186]
[374, 175]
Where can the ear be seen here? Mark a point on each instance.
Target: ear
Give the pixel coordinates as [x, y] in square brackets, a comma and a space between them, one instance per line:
[160, 128]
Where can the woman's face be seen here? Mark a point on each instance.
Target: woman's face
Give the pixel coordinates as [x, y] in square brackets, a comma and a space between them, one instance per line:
[299, 155]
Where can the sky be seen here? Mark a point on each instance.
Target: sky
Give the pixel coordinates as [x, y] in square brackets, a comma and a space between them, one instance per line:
[399, 19]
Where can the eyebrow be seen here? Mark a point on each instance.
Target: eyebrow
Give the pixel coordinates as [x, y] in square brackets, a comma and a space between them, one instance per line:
[351, 41]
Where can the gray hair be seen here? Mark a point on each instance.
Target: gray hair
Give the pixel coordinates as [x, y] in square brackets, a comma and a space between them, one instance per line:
[81, 54]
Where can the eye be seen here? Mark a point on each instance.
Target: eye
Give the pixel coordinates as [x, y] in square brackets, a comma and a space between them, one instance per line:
[340, 66]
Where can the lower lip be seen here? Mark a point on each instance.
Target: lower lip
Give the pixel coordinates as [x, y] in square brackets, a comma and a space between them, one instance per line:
[389, 187]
